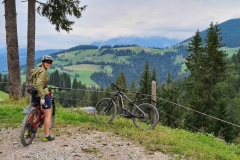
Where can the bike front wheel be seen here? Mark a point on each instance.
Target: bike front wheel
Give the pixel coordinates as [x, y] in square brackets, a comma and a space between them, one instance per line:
[105, 110]
[28, 130]
[147, 118]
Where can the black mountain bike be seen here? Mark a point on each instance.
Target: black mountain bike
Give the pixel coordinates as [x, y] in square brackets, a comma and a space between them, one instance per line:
[144, 115]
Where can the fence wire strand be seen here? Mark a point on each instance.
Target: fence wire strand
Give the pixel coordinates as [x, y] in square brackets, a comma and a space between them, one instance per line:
[150, 96]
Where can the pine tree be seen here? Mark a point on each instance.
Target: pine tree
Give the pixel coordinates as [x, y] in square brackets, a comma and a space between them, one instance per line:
[168, 111]
[221, 111]
[54, 78]
[154, 75]
[207, 66]
[133, 87]
[74, 84]
[121, 81]
[195, 64]
[193, 61]
[74, 92]
[215, 66]
[94, 97]
[145, 80]
[215, 56]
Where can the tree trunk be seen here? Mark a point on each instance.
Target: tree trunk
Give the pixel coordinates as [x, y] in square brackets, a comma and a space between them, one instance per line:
[15, 88]
[30, 41]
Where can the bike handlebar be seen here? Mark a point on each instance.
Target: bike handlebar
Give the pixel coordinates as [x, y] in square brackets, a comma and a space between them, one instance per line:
[58, 88]
[119, 88]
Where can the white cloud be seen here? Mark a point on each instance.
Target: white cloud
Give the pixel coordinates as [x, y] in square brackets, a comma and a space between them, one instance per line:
[107, 19]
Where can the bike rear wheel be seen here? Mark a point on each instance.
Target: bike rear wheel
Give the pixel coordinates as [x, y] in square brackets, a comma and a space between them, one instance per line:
[147, 120]
[28, 130]
[105, 110]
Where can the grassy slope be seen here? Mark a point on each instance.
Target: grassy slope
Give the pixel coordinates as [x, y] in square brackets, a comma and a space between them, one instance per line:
[174, 142]
[3, 95]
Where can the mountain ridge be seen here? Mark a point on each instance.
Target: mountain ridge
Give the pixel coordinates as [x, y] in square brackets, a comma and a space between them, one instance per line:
[151, 41]
[22, 56]
[230, 30]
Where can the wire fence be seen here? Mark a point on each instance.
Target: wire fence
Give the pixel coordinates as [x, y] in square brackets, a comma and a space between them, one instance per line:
[133, 93]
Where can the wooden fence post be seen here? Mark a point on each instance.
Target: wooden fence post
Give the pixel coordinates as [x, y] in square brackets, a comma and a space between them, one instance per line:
[154, 95]
[153, 98]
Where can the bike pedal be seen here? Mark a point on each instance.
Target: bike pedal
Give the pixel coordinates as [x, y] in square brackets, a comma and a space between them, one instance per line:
[126, 116]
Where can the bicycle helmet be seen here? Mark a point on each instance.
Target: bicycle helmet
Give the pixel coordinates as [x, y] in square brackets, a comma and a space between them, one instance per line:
[47, 58]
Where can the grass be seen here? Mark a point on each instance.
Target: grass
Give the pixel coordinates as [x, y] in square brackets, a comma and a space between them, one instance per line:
[230, 51]
[3, 95]
[177, 143]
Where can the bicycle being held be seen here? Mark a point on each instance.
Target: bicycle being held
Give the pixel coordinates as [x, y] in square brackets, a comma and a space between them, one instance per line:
[34, 118]
[144, 115]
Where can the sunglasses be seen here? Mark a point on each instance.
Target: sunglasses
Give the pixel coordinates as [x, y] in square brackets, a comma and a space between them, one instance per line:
[48, 62]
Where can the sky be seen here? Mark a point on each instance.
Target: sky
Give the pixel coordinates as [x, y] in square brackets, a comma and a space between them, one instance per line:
[106, 19]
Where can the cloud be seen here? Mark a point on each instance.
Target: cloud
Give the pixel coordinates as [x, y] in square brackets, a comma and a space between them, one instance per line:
[107, 19]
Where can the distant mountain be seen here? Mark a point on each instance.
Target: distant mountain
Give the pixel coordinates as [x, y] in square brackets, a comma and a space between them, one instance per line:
[22, 56]
[230, 30]
[154, 41]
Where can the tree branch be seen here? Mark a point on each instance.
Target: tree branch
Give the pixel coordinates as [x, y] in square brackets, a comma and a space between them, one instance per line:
[41, 3]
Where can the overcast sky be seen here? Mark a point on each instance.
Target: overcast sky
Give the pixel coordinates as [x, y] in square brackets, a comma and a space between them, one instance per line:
[106, 19]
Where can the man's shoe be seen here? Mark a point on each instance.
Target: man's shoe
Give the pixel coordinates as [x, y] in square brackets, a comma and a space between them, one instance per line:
[46, 139]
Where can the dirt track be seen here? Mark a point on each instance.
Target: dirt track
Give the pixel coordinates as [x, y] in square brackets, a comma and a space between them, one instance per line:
[73, 144]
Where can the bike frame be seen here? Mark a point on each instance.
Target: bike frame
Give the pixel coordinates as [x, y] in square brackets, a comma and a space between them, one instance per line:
[40, 115]
[120, 96]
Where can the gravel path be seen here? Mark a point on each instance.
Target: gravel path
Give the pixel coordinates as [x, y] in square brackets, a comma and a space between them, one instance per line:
[73, 144]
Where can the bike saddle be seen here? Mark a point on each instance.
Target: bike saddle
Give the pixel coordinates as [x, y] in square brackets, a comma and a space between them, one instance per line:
[35, 104]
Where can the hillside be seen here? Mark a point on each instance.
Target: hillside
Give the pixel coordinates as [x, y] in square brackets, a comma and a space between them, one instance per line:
[230, 30]
[95, 66]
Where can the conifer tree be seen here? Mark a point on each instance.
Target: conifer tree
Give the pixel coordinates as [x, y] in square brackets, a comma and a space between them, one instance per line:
[54, 78]
[133, 87]
[207, 67]
[121, 81]
[168, 111]
[75, 84]
[215, 66]
[74, 95]
[193, 61]
[94, 97]
[145, 80]
[223, 112]
[154, 74]
[195, 64]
